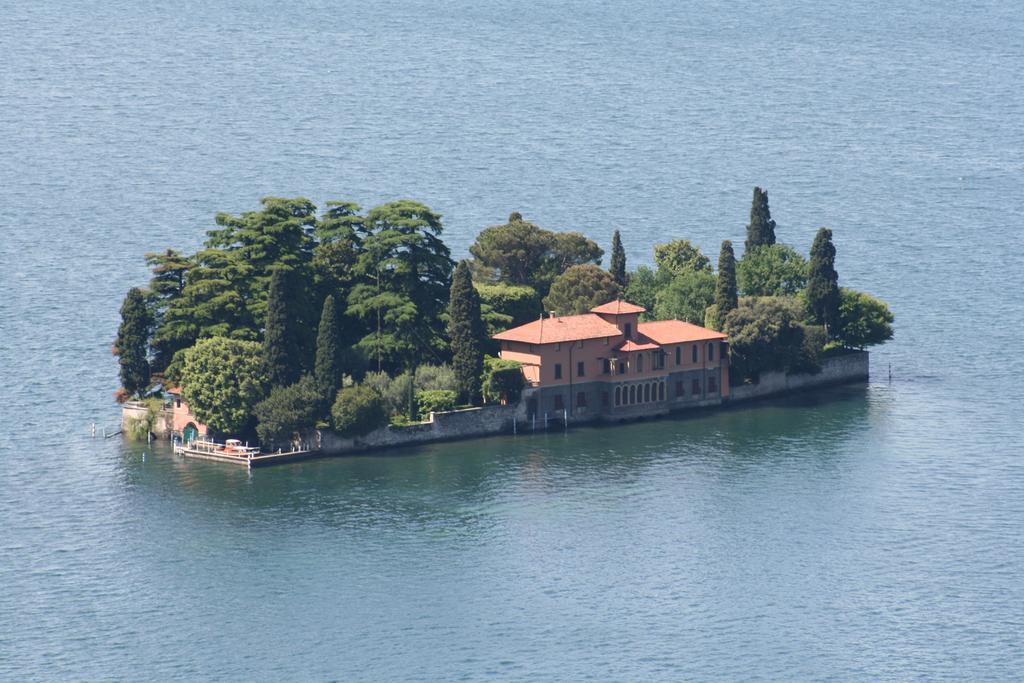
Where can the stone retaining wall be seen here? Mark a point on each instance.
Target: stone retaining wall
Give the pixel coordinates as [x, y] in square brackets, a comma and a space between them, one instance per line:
[133, 411]
[844, 369]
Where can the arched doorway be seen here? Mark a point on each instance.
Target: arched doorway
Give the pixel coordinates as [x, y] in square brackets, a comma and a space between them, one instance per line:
[190, 433]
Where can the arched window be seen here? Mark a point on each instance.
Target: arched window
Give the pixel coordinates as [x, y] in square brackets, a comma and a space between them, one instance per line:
[618, 396]
[661, 391]
[647, 393]
[632, 394]
[694, 353]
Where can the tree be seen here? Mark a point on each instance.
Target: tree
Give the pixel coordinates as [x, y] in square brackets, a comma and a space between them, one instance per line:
[644, 285]
[726, 298]
[686, 297]
[775, 270]
[327, 370]
[617, 267]
[863, 320]
[579, 289]
[170, 271]
[503, 305]
[357, 411]
[435, 378]
[503, 380]
[222, 380]
[132, 342]
[467, 334]
[337, 249]
[761, 229]
[435, 401]
[287, 411]
[520, 253]
[766, 334]
[281, 341]
[679, 256]
[405, 274]
[823, 283]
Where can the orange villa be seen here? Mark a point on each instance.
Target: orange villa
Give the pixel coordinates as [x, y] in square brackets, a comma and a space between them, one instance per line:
[606, 363]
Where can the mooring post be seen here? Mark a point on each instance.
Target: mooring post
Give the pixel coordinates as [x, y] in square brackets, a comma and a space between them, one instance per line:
[513, 425]
[94, 430]
[565, 418]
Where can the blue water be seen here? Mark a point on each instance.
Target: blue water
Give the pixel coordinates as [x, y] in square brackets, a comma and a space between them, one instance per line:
[867, 533]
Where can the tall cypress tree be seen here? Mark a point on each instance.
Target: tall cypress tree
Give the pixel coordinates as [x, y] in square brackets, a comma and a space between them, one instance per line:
[467, 333]
[618, 263]
[280, 340]
[823, 283]
[725, 290]
[761, 229]
[327, 370]
[132, 342]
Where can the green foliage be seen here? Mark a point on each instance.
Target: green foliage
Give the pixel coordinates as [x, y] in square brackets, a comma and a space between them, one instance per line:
[823, 283]
[337, 249]
[761, 229]
[436, 401]
[686, 297]
[132, 342]
[766, 334]
[328, 370]
[863, 320]
[222, 380]
[617, 267]
[520, 253]
[644, 285]
[679, 256]
[395, 391]
[357, 411]
[712, 320]
[503, 379]
[435, 378]
[579, 289]
[287, 411]
[503, 306]
[170, 270]
[281, 342]
[405, 272]
[139, 429]
[775, 270]
[467, 334]
[726, 298]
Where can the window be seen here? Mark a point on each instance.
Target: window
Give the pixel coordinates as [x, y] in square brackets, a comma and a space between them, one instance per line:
[622, 367]
[711, 351]
[606, 366]
[632, 394]
[558, 371]
[639, 362]
[661, 391]
[627, 330]
[177, 403]
[581, 399]
[604, 399]
[558, 403]
[606, 341]
[679, 389]
[618, 395]
[580, 369]
[679, 355]
[712, 386]
[579, 344]
[647, 393]
[657, 360]
[694, 353]
[696, 387]
[558, 346]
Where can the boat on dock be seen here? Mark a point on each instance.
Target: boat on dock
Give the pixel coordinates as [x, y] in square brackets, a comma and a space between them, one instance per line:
[234, 451]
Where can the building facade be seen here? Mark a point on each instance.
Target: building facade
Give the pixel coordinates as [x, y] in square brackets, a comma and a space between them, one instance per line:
[606, 364]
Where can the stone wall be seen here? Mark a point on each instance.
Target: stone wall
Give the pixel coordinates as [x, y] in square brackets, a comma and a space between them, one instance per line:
[133, 411]
[844, 369]
[447, 426]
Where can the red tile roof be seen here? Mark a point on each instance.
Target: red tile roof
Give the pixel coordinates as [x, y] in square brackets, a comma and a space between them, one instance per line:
[676, 332]
[619, 307]
[643, 345]
[560, 329]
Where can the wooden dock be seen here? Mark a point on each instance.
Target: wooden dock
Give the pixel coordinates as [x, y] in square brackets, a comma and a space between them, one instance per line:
[248, 456]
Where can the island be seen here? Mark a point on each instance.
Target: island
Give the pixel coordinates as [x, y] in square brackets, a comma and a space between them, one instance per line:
[296, 333]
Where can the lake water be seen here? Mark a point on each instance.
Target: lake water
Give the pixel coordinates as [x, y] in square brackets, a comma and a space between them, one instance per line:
[864, 533]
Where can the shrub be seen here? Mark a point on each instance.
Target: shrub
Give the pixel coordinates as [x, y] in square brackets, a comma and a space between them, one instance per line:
[358, 410]
[863, 319]
[435, 401]
[435, 378]
[287, 410]
[503, 379]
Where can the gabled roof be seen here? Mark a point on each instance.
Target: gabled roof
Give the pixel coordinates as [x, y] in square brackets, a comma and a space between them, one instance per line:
[676, 332]
[560, 329]
[619, 307]
[642, 345]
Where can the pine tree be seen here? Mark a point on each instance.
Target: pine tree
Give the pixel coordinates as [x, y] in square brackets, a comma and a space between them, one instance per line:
[327, 371]
[823, 283]
[618, 261]
[132, 340]
[725, 291]
[761, 230]
[280, 345]
[467, 334]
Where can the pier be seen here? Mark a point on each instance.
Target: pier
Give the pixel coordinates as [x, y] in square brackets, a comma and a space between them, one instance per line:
[234, 452]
